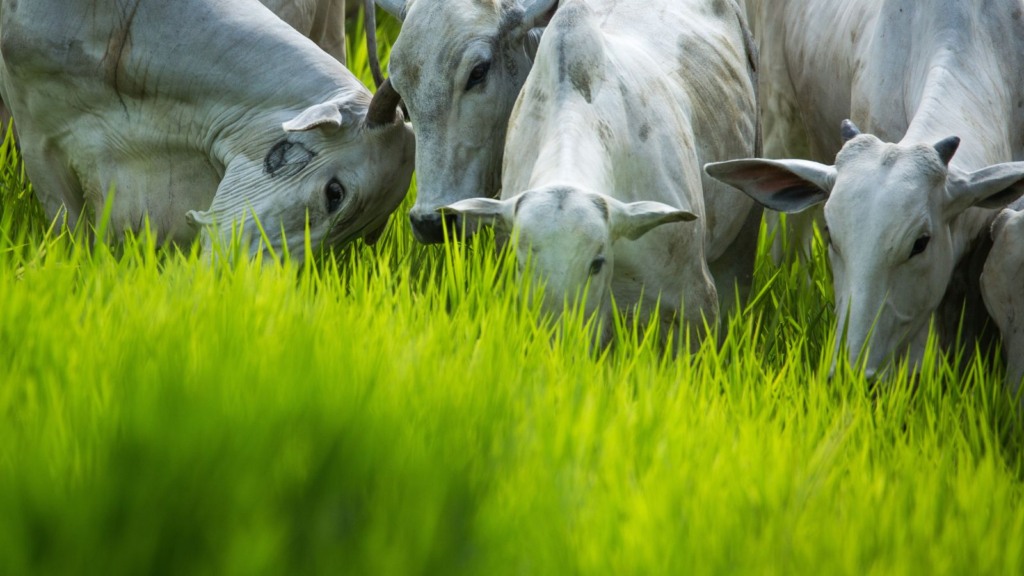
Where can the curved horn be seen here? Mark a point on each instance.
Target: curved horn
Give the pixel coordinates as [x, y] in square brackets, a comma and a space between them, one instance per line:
[849, 131]
[536, 13]
[946, 148]
[394, 7]
[370, 23]
[383, 108]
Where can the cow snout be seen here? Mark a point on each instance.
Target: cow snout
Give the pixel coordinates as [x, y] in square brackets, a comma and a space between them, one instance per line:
[428, 228]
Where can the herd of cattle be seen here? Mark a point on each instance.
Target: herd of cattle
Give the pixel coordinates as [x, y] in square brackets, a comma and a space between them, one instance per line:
[625, 145]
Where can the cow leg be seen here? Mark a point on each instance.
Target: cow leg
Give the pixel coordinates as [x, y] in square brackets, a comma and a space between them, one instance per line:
[733, 271]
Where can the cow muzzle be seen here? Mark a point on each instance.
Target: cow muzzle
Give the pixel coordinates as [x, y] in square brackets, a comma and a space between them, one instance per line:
[429, 227]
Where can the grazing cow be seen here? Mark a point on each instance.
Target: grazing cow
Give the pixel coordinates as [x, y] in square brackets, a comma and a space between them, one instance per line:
[459, 65]
[1002, 285]
[625, 103]
[906, 220]
[322, 21]
[195, 104]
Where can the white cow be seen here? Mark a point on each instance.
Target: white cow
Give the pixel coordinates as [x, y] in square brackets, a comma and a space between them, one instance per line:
[1002, 285]
[322, 21]
[459, 65]
[940, 79]
[198, 104]
[625, 102]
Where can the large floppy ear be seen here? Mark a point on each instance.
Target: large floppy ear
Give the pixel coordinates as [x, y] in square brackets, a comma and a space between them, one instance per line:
[328, 115]
[484, 212]
[994, 186]
[394, 7]
[783, 185]
[633, 220]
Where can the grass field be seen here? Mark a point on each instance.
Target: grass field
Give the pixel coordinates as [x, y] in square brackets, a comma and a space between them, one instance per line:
[400, 409]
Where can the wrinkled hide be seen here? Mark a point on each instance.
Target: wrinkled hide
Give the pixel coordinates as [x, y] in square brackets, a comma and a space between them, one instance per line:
[180, 108]
[322, 21]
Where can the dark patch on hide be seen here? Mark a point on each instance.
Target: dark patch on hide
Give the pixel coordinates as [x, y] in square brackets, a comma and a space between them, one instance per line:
[570, 66]
[605, 134]
[645, 132]
[287, 158]
[720, 8]
[580, 78]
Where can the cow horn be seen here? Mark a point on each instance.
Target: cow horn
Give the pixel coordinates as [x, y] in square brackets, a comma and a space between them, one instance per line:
[849, 131]
[946, 148]
[370, 21]
[384, 107]
[394, 7]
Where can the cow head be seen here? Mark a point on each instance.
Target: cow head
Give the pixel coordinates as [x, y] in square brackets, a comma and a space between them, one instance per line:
[342, 165]
[459, 65]
[567, 236]
[1002, 286]
[889, 211]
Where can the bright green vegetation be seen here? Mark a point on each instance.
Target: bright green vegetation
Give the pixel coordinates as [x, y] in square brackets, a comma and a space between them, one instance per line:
[401, 409]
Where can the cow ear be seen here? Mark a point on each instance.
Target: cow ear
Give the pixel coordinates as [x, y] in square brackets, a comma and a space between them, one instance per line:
[1000, 222]
[484, 212]
[396, 8]
[329, 115]
[994, 186]
[635, 219]
[197, 219]
[783, 185]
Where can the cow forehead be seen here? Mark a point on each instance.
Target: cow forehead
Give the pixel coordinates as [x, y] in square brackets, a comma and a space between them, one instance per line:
[435, 33]
[879, 182]
[562, 216]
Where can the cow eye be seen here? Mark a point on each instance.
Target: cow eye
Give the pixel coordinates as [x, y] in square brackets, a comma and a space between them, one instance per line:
[919, 245]
[477, 74]
[595, 265]
[334, 192]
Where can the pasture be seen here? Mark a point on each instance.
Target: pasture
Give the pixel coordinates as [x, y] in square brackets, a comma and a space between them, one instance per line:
[399, 408]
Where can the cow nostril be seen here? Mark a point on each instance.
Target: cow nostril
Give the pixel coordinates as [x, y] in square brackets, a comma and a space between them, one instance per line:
[427, 228]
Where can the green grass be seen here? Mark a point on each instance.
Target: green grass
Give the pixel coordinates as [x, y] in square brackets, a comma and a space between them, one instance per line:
[401, 409]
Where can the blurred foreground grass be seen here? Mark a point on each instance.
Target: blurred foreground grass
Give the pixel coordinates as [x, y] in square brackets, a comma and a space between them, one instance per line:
[400, 409]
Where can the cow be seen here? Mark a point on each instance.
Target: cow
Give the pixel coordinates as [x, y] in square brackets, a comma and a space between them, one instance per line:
[602, 183]
[459, 65]
[322, 21]
[1002, 286]
[200, 116]
[935, 85]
